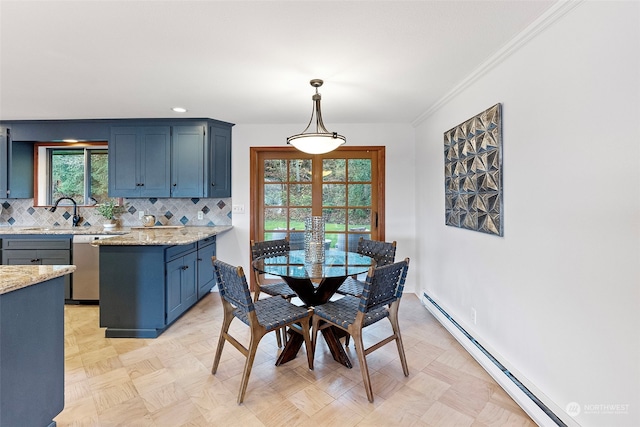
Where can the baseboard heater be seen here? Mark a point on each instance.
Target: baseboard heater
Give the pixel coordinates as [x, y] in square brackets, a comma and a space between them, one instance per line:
[544, 408]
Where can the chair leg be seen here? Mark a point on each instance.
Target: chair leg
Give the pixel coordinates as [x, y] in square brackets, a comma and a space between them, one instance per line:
[228, 317]
[253, 346]
[395, 325]
[346, 340]
[304, 323]
[314, 337]
[364, 369]
[278, 339]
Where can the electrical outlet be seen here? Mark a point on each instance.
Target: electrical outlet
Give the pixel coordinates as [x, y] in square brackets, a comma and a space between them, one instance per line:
[239, 209]
[140, 214]
[473, 315]
[200, 215]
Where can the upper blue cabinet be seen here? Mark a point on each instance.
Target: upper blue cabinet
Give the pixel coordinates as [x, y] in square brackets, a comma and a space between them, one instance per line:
[218, 178]
[139, 161]
[147, 157]
[16, 166]
[170, 161]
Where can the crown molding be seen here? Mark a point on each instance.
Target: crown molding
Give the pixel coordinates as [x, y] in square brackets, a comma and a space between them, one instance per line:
[550, 16]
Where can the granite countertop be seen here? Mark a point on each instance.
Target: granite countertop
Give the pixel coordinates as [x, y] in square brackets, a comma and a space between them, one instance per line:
[34, 229]
[14, 277]
[128, 236]
[162, 236]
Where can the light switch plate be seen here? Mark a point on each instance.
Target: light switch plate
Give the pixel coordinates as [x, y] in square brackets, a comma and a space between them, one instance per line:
[140, 214]
[239, 209]
[200, 215]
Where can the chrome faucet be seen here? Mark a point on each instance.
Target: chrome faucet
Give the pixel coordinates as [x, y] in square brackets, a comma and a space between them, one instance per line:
[76, 218]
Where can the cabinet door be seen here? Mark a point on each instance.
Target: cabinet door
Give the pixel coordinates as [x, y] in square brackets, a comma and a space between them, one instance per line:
[187, 160]
[4, 166]
[180, 285]
[20, 257]
[54, 257]
[189, 285]
[20, 167]
[174, 296]
[124, 174]
[155, 166]
[206, 278]
[219, 170]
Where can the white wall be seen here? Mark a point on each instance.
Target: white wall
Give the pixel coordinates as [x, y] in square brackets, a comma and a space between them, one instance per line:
[557, 297]
[233, 247]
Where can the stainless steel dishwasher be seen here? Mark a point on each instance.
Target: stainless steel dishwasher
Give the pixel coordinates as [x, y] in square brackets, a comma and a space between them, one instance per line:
[85, 282]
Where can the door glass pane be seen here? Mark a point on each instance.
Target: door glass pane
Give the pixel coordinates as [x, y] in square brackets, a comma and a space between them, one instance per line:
[300, 170]
[360, 195]
[359, 219]
[359, 170]
[333, 195]
[300, 195]
[297, 216]
[275, 170]
[334, 170]
[275, 194]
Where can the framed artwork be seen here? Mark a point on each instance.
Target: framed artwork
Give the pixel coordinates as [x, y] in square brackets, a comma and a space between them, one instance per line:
[473, 173]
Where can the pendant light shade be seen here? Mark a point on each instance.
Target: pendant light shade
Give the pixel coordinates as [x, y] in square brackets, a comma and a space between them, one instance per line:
[316, 140]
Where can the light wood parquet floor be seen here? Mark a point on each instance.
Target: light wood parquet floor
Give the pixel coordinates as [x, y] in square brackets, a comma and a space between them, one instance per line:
[167, 381]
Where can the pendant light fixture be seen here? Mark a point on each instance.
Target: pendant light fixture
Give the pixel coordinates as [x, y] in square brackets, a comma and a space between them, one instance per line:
[321, 141]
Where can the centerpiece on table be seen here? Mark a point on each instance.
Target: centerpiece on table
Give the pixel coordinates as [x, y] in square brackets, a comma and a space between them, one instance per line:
[110, 211]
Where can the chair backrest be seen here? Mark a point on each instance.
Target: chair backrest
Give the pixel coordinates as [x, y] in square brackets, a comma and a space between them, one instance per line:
[384, 253]
[269, 248]
[232, 285]
[383, 285]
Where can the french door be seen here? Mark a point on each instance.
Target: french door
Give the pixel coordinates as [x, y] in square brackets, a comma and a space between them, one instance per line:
[345, 186]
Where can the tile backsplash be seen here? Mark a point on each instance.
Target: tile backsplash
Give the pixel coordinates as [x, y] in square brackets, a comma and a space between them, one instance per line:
[21, 212]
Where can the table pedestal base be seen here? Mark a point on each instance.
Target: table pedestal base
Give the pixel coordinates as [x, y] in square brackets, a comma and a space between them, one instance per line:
[312, 296]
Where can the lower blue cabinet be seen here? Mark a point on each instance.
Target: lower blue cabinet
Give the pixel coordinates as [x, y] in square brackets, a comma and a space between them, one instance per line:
[143, 289]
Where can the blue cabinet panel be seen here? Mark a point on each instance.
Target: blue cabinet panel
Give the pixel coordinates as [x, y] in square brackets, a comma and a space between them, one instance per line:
[187, 161]
[219, 164]
[139, 161]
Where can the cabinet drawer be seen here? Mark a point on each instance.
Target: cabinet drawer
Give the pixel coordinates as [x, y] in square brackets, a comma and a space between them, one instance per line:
[173, 252]
[206, 242]
[36, 244]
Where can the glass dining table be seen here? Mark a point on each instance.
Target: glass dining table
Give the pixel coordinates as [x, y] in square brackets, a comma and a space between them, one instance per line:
[314, 283]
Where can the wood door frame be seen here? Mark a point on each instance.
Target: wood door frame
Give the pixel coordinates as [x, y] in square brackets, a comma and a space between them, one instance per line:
[254, 154]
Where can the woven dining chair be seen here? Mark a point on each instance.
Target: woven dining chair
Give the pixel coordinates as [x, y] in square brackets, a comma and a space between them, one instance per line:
[279, 247]
[383, 253]
[262, 317]
[380, 299]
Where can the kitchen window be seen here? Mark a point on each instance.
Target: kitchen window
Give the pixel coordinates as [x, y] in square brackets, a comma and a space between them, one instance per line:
[76, 170]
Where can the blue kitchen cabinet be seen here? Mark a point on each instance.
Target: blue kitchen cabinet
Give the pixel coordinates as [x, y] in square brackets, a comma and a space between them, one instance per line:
[187, 161]
[219, 161]
[139, 161]
[181, 285]
[144, 289]
[206, 277]
[16, 167]
[27, 249]
[4, 167]
[32, 354]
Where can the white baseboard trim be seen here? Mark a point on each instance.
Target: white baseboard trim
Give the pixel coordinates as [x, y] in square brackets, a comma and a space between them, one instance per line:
[538, 411]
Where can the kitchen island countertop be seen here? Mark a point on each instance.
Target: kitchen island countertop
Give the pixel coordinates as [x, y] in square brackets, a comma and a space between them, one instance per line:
[14, 277]
[163, 236]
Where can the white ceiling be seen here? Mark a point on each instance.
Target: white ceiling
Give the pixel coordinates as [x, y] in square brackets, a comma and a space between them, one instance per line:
[245, 61]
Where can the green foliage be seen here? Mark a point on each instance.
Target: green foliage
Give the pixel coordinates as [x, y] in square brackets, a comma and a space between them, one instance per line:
[110, 209]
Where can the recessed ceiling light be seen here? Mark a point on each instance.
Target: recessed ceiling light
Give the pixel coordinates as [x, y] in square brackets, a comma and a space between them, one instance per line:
[179, 110]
